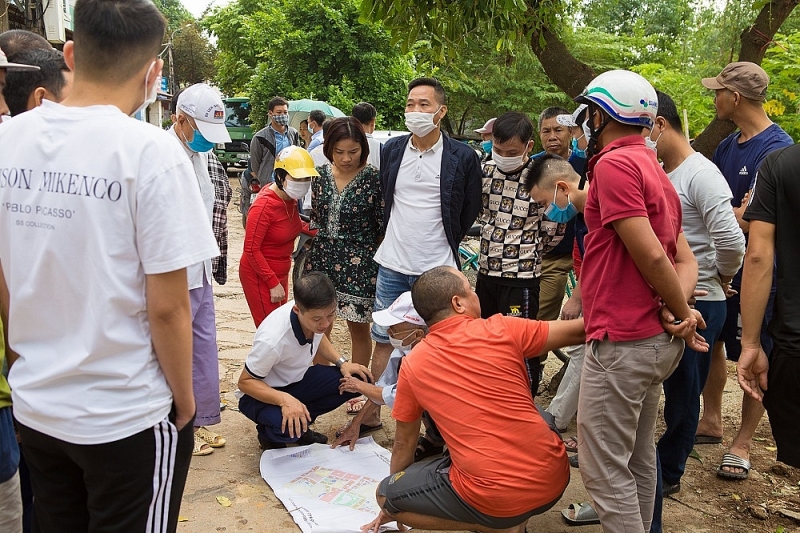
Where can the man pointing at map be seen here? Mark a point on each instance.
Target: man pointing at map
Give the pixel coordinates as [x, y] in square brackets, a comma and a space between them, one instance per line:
[504, 465]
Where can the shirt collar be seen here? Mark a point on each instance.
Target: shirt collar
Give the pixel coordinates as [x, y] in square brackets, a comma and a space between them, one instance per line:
[284, 134]
[432, 149]
[298, 329]
[317, 134]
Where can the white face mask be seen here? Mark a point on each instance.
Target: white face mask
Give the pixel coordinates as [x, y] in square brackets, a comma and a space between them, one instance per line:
[150, 95]
[419, 123]
[650, 143]
[398, 343]
[296, 189]
[508, 164]
[587, 133]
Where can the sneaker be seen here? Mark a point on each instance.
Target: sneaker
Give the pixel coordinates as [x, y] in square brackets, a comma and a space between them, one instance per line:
[312, 437]
[269, 445]
[668, 490]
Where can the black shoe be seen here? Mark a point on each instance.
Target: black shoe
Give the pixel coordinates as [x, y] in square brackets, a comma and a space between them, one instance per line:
[668, 490]
[573, 461]
[312, 437]
[269, 445]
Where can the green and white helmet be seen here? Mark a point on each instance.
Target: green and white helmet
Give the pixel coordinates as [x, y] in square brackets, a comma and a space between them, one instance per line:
[626, 96]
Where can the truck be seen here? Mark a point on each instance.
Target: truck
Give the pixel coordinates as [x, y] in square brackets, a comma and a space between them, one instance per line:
[237, 122]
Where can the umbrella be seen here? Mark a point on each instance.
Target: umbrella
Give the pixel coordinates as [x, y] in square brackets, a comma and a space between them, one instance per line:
[299, 110]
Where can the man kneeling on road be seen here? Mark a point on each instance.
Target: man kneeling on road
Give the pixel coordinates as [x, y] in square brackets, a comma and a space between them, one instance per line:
[281, 391]
[504, 465]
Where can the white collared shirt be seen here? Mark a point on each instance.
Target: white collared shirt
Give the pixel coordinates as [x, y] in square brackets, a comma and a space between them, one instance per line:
[415, 238]
[195, 273]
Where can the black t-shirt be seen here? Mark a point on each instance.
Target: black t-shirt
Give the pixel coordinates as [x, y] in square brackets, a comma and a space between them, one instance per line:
[776, 200]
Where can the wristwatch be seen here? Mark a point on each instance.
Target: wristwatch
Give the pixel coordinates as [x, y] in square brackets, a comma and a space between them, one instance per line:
[341, 361]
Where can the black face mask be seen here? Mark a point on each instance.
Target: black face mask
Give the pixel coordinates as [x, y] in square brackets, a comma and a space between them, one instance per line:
[591, 148]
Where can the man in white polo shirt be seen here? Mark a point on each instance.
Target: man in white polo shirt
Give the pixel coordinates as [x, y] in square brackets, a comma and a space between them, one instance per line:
[281, 391]
[95, 238]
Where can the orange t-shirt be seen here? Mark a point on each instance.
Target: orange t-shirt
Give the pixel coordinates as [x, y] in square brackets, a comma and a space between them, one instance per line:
[470, 375]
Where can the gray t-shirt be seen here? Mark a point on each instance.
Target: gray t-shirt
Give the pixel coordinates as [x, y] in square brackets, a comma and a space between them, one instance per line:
[709, 224]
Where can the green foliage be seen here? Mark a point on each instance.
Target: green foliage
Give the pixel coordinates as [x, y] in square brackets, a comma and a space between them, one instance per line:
[175, 13]
[309, 49]
[193, 55]
[782, 63]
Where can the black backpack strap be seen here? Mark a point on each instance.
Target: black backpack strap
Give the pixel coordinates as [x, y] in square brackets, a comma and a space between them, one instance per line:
[266, 144]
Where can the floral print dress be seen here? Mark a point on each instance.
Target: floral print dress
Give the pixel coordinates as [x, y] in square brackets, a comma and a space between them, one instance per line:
[350, 226]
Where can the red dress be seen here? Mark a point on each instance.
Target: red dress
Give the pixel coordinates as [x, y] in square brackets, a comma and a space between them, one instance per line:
[273, 224]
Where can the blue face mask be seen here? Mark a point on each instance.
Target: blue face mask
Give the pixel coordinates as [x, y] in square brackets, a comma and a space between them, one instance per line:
[560, 215]
[577, 151]
[486, 146]
[200, 143]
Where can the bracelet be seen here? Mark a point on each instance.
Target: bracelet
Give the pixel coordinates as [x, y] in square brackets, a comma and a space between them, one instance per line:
[341, 361]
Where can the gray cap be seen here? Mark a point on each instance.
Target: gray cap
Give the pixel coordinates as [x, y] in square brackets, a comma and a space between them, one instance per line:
[743, 77]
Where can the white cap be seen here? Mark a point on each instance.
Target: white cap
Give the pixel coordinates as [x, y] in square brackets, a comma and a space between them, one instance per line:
[401, 310]
[487, 128]
[204, 105]
[4, 64]
[573, 119]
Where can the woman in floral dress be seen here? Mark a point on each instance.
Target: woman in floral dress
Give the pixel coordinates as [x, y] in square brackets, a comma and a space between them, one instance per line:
[347, 208]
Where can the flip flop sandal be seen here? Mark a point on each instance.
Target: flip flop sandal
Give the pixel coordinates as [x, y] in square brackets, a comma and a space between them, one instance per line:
[352, 407]
[568, 444]
[707, 439]
[201, 447]
[580, 514]
[426, 448]
[731, 460]
[213, 439]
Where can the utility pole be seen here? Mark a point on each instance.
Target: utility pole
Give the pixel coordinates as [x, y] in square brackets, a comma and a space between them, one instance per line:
[172, 82]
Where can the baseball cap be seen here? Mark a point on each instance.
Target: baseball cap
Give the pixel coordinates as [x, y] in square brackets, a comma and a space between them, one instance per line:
[204, 105]
[4, 64]
[574, 119]
[743, 77]
[401, 310]
[487, 128]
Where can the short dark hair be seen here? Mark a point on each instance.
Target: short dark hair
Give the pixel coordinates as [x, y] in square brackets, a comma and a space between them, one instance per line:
[668, 110]
[276, 101]
[550, 112]
[13, 42]
[20, 84]
[364, 112]
[114, 39]
[512, 124]
[433, 293]
[317, 116]
[314, 291]
[325, 126]
[438, 90]
[545, 170]
[341, 129]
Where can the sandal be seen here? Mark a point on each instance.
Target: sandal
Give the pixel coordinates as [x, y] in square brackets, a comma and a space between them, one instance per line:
[201, 447]
[355, 405]
[426, 448]
[730, 460]
[580, 514]
[213, 439]
[571, 444]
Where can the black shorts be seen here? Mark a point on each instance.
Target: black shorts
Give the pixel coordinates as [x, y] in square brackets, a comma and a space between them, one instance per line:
[731, 333]
[783, 404]
[425, 489]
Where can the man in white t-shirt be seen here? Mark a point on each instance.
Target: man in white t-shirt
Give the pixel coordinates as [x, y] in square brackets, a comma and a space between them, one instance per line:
[199, 124]
[432, 192]
[281, 390]
[100, 217]
[365, 113]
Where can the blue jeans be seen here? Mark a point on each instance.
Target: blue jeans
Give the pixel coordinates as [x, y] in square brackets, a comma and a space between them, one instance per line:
[389, 287]
[682, 392]
[9, 451]
[318, 391]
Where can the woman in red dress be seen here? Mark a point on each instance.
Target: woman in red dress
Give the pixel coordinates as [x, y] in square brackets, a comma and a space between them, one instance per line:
[273, 224]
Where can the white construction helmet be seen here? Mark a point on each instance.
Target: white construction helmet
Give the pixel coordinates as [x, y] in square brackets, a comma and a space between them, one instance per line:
[626, 96]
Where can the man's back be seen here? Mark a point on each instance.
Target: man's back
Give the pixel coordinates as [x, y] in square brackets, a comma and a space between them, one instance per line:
[81, 228]
[506, 460]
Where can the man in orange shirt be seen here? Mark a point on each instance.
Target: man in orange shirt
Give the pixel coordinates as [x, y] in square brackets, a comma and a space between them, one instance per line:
[502, 466]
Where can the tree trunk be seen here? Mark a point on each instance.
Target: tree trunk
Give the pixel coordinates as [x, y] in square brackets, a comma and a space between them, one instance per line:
[565, 70]
[755, 41]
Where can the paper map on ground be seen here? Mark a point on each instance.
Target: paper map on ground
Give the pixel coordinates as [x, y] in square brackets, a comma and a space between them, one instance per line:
[328, 490]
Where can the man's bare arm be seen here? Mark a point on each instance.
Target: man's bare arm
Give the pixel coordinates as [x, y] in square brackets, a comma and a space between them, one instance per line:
[406, 436]
[170, 315]
[564, 333]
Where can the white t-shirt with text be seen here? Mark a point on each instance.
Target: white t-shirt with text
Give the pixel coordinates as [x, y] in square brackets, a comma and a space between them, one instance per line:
[91, 201]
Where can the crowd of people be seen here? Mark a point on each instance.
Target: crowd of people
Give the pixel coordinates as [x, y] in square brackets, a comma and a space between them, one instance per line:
[108, 253]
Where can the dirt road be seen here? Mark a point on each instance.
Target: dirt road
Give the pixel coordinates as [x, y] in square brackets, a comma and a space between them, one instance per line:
[705, 503]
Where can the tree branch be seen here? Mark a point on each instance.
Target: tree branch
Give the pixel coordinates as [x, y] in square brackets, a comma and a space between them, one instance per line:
[567, 72]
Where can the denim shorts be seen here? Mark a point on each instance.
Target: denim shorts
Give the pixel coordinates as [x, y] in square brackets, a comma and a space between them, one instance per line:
[389, 287]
